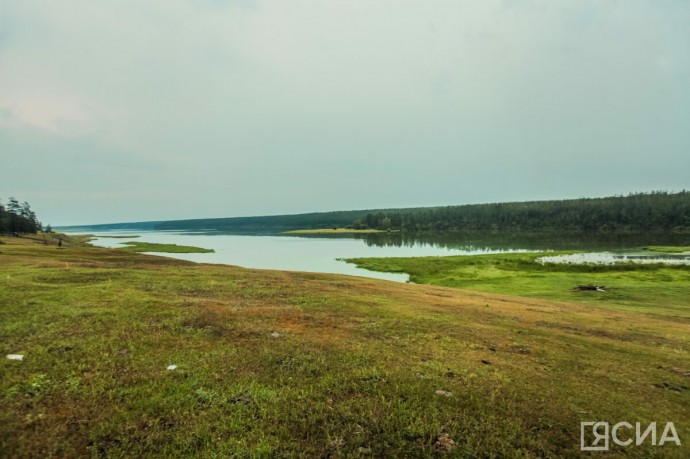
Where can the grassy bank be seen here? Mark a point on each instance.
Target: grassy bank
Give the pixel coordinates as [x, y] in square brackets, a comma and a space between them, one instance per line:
[282, 364]
[655, 287]
[162, 248]
[669, 249]
[49, 239]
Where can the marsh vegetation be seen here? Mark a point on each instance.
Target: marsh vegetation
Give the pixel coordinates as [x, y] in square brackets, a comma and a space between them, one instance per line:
[162, 248]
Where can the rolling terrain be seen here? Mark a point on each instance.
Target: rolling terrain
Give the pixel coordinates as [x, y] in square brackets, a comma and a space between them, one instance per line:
[270, 363]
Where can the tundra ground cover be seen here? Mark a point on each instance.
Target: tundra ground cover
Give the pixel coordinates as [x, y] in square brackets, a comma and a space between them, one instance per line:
[272, 363]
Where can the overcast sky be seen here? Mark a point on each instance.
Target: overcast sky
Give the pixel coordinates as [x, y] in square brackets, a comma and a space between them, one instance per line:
[135, 110]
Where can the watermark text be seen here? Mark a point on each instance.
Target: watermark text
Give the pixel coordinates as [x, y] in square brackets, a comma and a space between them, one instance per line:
[598, 436]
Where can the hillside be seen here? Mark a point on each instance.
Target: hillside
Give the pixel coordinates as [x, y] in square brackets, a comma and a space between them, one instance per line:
[272, 223]
[641, 212]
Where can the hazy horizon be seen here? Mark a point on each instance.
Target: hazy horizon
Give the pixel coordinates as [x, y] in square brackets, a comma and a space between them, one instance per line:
[126, 111]
[340, 210]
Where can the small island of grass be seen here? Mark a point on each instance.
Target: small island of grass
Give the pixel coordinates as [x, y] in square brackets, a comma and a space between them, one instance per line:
[162, 248]
[120, 236]
[668, 249]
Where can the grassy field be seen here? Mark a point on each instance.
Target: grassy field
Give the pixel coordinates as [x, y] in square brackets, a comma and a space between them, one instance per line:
[655, 288]
[281, 364]
[162, 248]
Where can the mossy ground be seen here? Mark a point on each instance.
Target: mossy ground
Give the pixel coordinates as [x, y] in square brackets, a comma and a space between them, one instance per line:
[282, 364]
[656, 288]
[161, 248]
[669, 249]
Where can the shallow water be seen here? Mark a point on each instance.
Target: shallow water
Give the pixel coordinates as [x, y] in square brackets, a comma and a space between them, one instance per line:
[321, 253]
[310, 254]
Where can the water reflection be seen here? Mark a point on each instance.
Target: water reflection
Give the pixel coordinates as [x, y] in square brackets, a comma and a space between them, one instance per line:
[511, 241]
[321, 253]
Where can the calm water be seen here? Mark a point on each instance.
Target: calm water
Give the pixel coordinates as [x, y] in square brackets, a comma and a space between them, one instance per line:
[323, 253]
[311, 254]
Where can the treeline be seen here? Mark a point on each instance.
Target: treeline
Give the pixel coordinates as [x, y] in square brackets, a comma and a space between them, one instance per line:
[638, 212]
[18, 218]
[270, 223]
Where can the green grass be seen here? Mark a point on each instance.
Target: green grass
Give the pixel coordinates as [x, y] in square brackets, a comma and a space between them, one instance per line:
[629, 285]
[668, 249]
[120, 237]
[52, 238]
[162, 248]
[281, 364]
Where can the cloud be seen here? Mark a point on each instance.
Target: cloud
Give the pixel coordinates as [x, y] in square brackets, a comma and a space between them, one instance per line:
[244, 107]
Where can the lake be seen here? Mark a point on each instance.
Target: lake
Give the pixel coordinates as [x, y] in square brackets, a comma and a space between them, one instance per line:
[323, 253]
[292, 253]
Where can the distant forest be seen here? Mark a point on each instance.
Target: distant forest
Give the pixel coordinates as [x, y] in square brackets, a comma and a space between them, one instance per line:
[273, 223]
[18, 218]
[639, 212]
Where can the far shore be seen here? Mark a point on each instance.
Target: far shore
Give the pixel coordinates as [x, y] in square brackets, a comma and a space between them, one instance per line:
[119, 236]
[338, 231]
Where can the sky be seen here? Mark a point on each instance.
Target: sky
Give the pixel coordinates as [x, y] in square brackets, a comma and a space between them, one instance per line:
[141, 110]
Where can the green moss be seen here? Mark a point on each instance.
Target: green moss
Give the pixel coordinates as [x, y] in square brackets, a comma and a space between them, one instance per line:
[668, 249]
[629, 284]
[162, 248]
